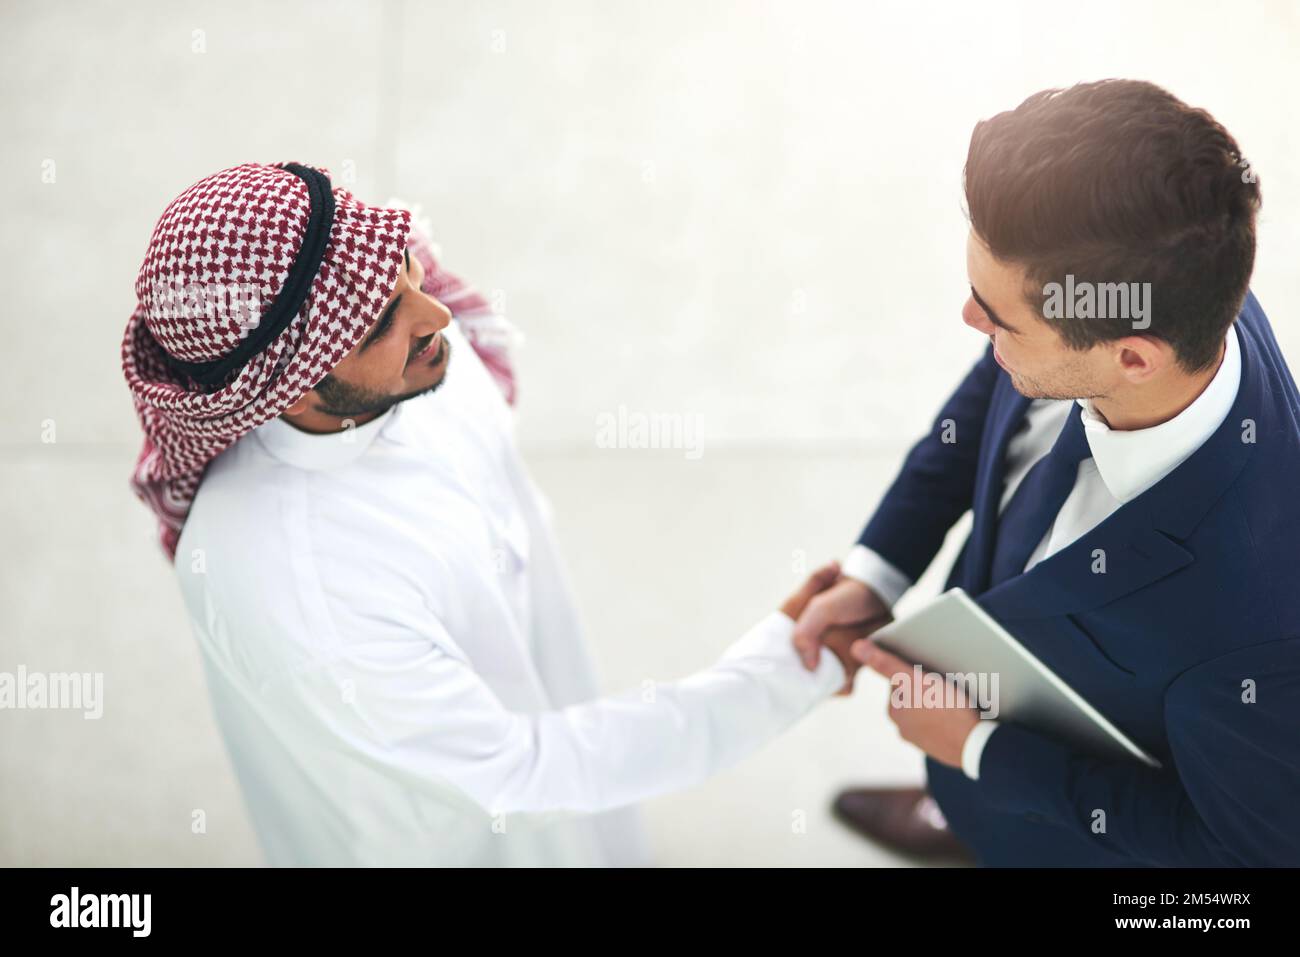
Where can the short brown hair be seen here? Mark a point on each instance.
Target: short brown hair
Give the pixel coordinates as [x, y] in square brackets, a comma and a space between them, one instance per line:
[1120, 181]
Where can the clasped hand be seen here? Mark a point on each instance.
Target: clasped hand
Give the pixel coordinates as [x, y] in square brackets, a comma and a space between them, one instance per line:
[828, 609]
[839, 613]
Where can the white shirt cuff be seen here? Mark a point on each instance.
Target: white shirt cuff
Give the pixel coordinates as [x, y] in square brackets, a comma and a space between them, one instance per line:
[770, 646]
[877, 574]
[973, 749]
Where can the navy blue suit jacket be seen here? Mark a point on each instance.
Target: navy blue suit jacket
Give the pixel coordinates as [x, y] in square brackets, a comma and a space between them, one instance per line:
[1189, 641]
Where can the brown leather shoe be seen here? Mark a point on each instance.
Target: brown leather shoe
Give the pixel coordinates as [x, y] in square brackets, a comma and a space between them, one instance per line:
[906, 820]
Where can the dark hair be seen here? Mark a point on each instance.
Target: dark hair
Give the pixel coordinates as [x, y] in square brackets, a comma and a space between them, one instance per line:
[1119, 181]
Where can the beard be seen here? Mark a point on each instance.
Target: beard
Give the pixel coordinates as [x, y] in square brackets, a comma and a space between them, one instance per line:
[345, 400]
[1036, 389]
[1068, 381]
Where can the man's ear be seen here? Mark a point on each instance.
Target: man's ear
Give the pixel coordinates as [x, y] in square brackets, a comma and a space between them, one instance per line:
[1139, 358]
[301, 406]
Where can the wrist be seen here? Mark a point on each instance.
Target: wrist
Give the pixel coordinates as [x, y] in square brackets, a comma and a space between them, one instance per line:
[972, 751]
[885, 581]
[769, 647]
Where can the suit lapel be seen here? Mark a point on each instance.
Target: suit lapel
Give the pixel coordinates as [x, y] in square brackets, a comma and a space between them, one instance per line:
[1122, 554]
[1005, 414]
[1142, 541]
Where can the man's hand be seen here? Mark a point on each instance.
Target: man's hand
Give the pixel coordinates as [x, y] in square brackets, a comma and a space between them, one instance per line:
[939, 732]
[820, 580]
[846, 602]
[839, 638]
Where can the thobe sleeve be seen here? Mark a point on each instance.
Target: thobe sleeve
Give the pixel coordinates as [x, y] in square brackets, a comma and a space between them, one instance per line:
[427, 712]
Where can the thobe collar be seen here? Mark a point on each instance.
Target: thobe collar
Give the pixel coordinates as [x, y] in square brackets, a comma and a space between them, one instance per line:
[317, 451]
[1130, 462]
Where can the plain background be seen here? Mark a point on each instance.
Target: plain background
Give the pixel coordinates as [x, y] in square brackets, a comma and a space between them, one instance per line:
[744, 213]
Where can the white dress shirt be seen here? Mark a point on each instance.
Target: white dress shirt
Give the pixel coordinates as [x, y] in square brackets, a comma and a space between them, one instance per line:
[395, 661]
[1124, 464]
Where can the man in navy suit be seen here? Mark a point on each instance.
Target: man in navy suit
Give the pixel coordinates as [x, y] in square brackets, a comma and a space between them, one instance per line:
[1129, 446]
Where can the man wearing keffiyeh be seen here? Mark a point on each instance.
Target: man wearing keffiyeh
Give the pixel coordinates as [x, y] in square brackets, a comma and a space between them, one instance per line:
[206, 241]
[386, 628]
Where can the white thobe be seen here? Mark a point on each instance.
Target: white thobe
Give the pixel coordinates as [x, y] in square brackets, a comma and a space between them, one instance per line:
[395, 662]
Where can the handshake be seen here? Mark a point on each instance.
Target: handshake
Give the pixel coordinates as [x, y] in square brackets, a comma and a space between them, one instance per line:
[836, 613]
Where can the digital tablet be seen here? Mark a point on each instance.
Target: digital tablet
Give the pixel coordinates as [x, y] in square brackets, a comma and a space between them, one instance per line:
[954, 635]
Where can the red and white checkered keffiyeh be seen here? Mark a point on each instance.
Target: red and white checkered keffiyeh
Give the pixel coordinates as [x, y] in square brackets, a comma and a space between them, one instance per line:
[241, 229]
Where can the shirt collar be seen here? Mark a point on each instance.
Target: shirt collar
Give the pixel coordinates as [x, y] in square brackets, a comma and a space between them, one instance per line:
[1131, 462]
[316, 451]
